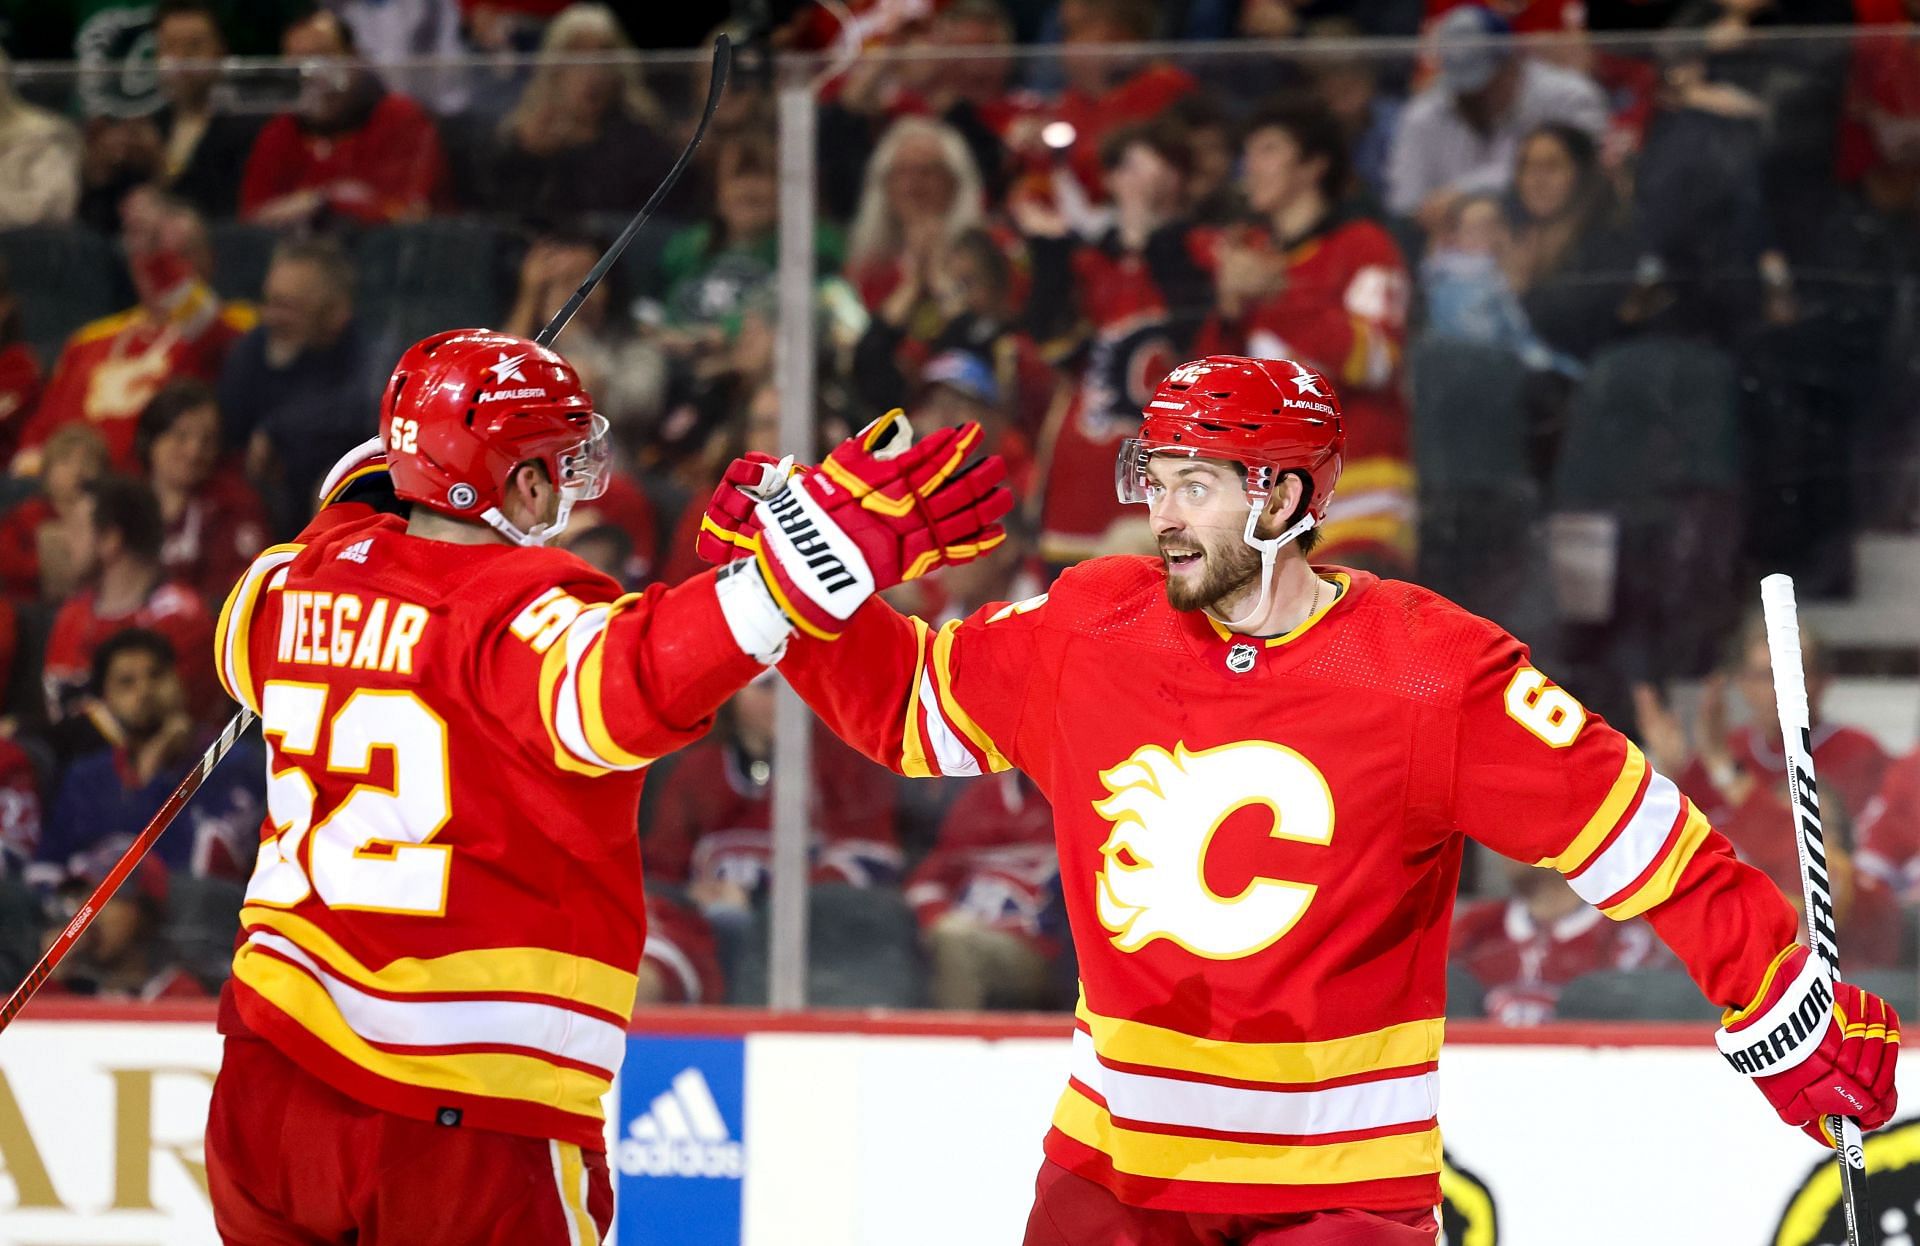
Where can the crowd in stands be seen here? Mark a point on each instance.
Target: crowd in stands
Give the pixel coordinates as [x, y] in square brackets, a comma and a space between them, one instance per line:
[1612, 325]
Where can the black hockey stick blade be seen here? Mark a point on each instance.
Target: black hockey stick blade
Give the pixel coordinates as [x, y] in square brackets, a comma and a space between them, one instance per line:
[716, 85]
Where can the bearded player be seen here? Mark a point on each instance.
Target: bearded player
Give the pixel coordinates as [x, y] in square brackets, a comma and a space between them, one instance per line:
[441, 936]
[1263, 773]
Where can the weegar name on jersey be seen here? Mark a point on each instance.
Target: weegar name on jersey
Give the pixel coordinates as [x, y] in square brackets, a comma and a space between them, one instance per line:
[339, 629]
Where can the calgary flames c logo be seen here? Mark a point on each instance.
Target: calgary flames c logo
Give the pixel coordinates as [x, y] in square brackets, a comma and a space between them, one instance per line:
[1165, 808]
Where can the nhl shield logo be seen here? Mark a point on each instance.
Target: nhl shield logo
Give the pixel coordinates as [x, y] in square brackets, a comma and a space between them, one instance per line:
[1240, 658]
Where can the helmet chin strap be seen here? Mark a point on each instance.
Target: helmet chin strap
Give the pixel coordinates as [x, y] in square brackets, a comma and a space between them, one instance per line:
[1269, 548]
[540, 533]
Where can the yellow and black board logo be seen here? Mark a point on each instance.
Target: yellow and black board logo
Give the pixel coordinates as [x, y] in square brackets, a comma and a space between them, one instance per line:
[1814, 1216]
[1467, 1214]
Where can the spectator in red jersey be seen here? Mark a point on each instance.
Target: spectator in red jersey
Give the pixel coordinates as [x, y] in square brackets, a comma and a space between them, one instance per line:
[117, 535]
[214, 521]
[19, 370]
[584, 137]
[298, 391]
[1880, 132]
[1313, 281]
[1718, 765]
[979, 895]
[36, 537]
[1122, 307]
[679, 964]
[1889, 830]
[120, 957]
[110, 368]
[19, 810]
[1522, 950]
[351, 148]
[922, 191]
[203, 141]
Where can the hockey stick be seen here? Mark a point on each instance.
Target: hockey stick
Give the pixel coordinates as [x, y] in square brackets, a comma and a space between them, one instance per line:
[716, 84]
[237, 725]
[1796, 735]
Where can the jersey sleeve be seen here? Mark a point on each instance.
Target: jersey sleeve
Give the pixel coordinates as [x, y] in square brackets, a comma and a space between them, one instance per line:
[1540, 779]
[237, 640]
[919, 700]
[616, 683]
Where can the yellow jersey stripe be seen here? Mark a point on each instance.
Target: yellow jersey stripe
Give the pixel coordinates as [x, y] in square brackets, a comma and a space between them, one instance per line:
[1135, 1042]
[552, 667]
[1666, 877]
[570, 1173]
[950, 706]
[499, 1075]
[1379, 472]
[1605, 818]
[496, 970]
[913, 757]
[592, 719]
[233, 629]
[1173, 1157]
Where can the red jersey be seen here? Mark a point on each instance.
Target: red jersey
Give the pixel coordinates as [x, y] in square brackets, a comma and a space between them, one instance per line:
[19, 393]
[446, 916]
[1344, 311]
[714, 821]
[994, 860]
[1849, 763]
[1888, 831]
[1523, 964]
[1259, 848]
[20, 547]
[173, 610]
[109, 369]
[681, 950]
[211, 541]
[390, 168]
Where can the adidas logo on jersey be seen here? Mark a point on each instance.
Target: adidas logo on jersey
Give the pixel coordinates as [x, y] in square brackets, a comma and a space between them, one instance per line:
[356, 552]
[682, 1134]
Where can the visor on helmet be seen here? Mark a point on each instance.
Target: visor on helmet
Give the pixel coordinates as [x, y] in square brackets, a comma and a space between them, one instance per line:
[1133, 486]
[585, 469]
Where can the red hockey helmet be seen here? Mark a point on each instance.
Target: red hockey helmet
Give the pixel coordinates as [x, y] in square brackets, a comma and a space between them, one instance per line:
[464, 408]
[1270, 415]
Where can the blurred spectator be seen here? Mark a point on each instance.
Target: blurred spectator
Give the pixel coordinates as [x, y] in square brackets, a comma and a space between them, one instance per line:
[1523, 949]
[922, 191]
[973, 293]
[298, 391]
[1315, 282]
[757, 427]
[626, 373]
[110, 368]
[679, 964]
[1889, 830]
[1459, 134]
[19, 810]
[1105, 90]
[1572, 259]
[39, 161]
[393, 33]
[711, 830]
[36, 536]
[1880, 135]
[1123, 304]
[959, 387]
[1212, 197]
[1719, 765]
[120, 153]
[350, 148]
[203, 142]
[1464, 282]
[116, 553]
[979, 895]
[586, 135]
[121, 956]
[1526, 17]
[1350, 88]
[214, 521]
[107, 796]
[19, 370]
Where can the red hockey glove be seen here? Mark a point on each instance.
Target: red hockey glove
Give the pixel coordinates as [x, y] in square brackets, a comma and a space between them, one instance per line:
[1816, 1048]
[728, 529]
[878, 511]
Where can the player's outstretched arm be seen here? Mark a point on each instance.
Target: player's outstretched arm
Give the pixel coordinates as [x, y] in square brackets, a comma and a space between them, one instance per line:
[1538, 778]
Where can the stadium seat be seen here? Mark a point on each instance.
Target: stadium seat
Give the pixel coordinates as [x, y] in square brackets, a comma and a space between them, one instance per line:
[203, 919]
[64, 276]
[241, 253]
[1635, 995]
[420, 278]
[862, 949]
[1466, 998]
[1899, 987]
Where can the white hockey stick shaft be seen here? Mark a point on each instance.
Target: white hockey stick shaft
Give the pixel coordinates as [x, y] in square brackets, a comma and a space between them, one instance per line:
[1796, 735]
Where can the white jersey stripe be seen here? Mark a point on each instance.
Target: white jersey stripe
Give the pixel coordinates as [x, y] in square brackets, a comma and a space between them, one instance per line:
[950, 755]
[445, 1023]
[567, 722]
[1233, 1109]
[1637, 845]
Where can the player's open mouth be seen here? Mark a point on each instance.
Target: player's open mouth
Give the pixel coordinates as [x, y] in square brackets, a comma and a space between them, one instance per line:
[1179, 559]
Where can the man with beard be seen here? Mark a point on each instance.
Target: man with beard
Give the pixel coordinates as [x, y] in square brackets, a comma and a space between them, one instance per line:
[1263, 773]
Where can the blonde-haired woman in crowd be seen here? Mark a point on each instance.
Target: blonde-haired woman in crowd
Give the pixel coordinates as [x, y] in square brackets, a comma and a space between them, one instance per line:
[922, 191]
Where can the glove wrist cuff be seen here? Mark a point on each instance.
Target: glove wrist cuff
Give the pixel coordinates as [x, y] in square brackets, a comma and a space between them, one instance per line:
[759, 626]
[1786, 1031]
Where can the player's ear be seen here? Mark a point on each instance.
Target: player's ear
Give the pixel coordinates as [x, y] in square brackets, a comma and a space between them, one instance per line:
[1283, 505]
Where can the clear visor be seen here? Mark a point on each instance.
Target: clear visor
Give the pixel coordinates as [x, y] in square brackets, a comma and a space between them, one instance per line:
[585, 469]
[1132, 485]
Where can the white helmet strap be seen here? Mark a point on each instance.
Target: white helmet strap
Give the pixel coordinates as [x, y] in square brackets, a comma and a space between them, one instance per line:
[1269, 548]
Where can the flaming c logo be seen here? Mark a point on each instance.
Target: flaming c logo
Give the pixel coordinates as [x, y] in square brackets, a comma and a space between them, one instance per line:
[1165, 808]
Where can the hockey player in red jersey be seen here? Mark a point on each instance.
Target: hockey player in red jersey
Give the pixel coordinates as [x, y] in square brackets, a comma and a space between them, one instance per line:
[441, 935]
[1263, 773]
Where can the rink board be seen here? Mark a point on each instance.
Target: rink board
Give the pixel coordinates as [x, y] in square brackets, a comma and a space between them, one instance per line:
[749, 1129]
